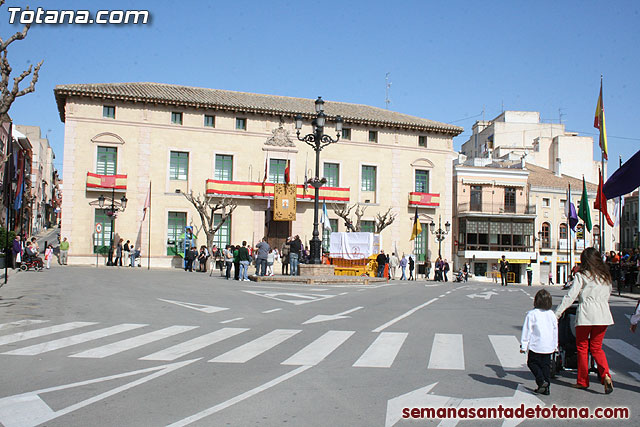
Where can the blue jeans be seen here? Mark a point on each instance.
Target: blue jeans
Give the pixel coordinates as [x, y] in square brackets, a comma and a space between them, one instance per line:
[381, 270]
[244, 270]
[404, 273]
[293, 260]
[261, 267]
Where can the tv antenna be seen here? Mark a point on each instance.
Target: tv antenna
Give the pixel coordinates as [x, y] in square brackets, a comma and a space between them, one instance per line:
[387, 88]
[560, 114]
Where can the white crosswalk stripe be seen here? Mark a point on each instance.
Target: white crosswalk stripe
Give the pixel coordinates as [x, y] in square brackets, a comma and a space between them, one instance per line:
[316, 352]
[18, 323]
[507, 348]
[73, 340]
[36, 333]
[256, 347]
[624, 348]
[131, 343]
[182, 349]
[447, 352]
[383, 351]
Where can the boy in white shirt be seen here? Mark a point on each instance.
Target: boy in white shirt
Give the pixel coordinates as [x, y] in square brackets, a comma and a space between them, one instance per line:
[635, 318]
[540, 338]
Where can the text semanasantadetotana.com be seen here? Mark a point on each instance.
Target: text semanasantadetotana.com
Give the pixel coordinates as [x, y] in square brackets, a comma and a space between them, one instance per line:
[42, 16]
[519, 412]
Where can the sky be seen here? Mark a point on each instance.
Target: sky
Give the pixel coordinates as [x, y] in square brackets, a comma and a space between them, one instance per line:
[448, 61]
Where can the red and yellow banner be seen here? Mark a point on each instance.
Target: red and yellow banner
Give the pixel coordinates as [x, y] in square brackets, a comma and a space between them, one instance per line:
[424, 199]
[254, 189]
[119, 182]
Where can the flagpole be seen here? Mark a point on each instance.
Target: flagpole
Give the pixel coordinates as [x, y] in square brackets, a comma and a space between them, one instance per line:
[602, 234]
[569, 233]
[149, 245]
[620, 217]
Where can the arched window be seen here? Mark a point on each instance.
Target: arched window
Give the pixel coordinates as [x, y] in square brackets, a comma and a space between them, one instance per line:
[545, 236]
[562, 235]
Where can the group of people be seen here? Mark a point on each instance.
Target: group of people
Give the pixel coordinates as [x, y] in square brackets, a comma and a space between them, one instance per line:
[123, 250]
[393, 262]
[624, 267]
[591, 286]
[28, 251]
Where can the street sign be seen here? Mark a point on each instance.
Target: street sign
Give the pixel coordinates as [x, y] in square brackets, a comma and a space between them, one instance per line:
[98, 228]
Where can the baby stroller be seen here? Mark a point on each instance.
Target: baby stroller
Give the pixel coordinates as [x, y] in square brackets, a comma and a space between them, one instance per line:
[34, 262]
[566, 358]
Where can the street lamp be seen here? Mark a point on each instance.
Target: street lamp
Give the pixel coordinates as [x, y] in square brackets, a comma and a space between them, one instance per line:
[440, 233]
[317, 140]
[112, 213]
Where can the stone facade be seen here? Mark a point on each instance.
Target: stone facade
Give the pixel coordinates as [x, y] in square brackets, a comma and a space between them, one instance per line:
[142, 124]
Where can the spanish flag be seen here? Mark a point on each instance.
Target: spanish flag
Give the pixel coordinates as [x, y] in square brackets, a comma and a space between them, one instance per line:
[287, 172]
[417, 228]
[598, 123]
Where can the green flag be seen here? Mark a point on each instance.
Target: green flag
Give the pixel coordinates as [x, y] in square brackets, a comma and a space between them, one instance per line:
[583, 210]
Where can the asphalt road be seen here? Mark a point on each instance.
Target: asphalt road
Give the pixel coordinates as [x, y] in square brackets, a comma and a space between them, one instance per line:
[131, 347]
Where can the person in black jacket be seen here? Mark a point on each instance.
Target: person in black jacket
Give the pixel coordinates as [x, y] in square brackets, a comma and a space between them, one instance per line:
[381, 259]
[189, 257]
[412, 265]
[295, 246]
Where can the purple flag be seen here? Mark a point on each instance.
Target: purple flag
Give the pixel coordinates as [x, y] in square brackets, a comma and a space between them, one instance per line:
[624, 180]
[573, 217]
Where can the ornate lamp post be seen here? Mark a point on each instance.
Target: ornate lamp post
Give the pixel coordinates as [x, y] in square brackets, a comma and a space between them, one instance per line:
[440, 233]
[317, 140]
[112, 213]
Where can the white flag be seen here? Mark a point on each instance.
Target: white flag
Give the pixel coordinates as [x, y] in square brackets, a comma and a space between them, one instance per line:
[617, 210]
[326, 224]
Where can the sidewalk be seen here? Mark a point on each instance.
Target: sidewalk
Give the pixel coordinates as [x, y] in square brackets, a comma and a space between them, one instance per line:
[49, 235]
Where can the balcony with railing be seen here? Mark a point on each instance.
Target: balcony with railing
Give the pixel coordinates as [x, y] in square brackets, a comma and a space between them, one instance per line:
[496, 208]
[101, 182]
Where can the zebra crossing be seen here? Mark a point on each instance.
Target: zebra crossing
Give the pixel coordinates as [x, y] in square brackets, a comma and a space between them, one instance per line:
[447, 350]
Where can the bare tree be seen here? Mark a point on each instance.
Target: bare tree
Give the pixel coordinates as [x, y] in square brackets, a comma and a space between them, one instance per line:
[343, 212]
[359, 212]
[385, 220]
[207, 208]
[11, 92]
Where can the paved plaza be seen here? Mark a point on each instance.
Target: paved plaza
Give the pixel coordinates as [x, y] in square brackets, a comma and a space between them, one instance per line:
[103, 346]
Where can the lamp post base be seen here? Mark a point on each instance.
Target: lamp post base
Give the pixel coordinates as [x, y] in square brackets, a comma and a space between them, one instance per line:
[315, 248]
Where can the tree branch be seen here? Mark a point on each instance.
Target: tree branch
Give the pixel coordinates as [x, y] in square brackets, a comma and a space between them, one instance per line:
[385, 220]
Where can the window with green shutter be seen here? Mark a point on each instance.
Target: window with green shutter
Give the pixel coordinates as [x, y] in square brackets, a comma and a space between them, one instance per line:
[223, 235]
[367, 226]
[179, 166]
[421, 243]
[107, 161]
[176, 118]
[224, 167]
[368, 178]
[102, 240]
[332, 173]
[422, 181]
[276, 170]
[176, 223]
[241, 123]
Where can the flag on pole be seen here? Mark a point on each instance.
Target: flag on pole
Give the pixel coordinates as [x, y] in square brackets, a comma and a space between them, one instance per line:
[598, 123]
[570, 211]
[583, 211]
[264, 180]
[305, 177]
[287, 172]
[625, 179]
[601, 201]
[617, 209]
[417, 228]
[147, 202]
[326, 224]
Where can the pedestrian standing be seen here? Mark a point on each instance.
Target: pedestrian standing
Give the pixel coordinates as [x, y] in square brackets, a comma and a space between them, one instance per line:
[245, 259]
[494, 273]
[295, 247]
[118, 260]
[550, 278]
[236, 262]
[381, 259]
[17, 251]
[445, 269]
[427, 269]
[635, 318]
[126, 250]
[540, 339]
[504, 268]
[592, 286]
[403, 267]
[271, 258]
[285, 258]
[393, 265]
[529, 274]
[412, 265]
[48, 254]
[189, 257]
[64, 251]
[228, 261]
[465, 270]
[261, 258]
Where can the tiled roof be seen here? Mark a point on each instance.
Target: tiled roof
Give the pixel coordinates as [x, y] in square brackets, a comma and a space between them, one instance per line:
[542, 177]
[185, 96]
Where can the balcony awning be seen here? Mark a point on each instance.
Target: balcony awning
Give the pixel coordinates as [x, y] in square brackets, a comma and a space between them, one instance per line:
[254, 189]
[118, 182]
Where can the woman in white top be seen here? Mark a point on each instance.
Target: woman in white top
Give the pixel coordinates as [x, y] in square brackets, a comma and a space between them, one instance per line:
[592, 286]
